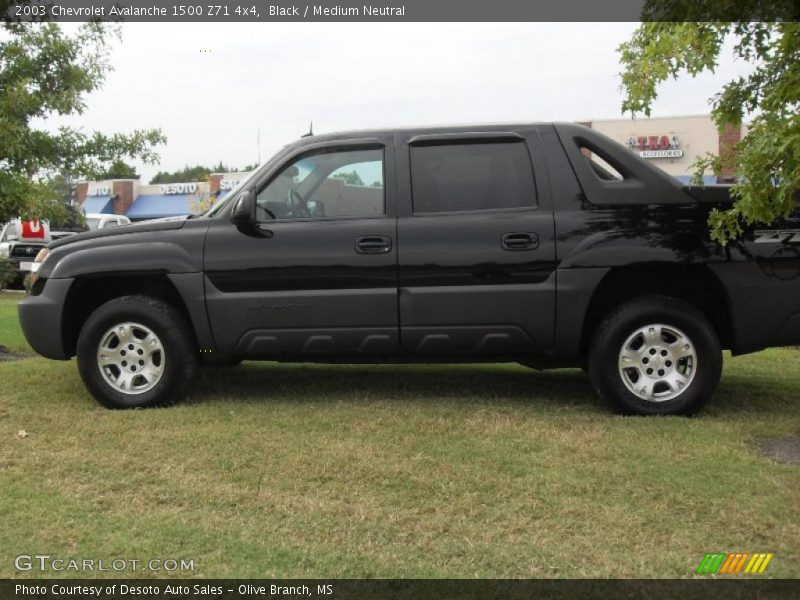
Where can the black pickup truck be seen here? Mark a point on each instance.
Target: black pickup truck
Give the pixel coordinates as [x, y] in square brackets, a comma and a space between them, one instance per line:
[544, 244]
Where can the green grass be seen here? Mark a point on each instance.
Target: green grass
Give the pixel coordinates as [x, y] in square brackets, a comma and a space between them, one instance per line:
[434, 471]
[10, 334]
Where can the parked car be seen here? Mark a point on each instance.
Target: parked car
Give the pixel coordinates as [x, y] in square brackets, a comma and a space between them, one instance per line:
[96, 221]
[546, 244]
[17, 252]
[22, 250]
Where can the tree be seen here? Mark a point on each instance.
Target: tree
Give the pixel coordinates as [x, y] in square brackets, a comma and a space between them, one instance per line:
[47, 72]
[63, 188]
[8, 273]
[767, 159]
[223, 168]
[351, 178]
[187, 174]
[196, 173]
[119, 169]
[73, 219]
[201, 202]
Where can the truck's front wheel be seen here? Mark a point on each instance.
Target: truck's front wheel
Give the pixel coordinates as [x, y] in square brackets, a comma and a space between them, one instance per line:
[655, 356]
[136, 352]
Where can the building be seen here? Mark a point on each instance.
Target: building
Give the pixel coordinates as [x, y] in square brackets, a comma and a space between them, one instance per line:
[673, 143]
[140, 202]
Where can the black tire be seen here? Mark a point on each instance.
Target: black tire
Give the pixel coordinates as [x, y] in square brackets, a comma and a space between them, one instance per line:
[173, 333]
[622, 325]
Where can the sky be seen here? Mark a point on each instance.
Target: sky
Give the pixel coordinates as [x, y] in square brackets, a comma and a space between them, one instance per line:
[215, 88]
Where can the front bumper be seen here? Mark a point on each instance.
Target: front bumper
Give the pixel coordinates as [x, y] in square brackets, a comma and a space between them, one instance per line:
[40, 318]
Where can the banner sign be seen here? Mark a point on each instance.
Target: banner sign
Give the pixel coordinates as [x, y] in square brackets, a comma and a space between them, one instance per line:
[33, 230]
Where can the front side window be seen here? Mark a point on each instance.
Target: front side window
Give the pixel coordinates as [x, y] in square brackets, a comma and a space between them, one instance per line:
[326, 184]
[471, 177]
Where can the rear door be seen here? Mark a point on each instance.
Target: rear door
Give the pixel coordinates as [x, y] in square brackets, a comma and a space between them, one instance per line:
[476, 262]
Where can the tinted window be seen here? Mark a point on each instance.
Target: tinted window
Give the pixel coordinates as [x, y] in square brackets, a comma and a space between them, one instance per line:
[328, 184]
[458, 177]
[601, 167]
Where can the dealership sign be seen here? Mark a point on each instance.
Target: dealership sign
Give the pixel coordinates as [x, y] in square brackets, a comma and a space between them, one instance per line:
[656, 146]
[99, 190]
[179, 188]
[228, 184]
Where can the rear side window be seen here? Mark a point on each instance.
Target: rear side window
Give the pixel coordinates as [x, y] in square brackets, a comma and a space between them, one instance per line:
[471, 177]
[601, 166]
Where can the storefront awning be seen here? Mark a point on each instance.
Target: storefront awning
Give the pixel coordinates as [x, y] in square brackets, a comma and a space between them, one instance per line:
[156, 206]
[98, 204]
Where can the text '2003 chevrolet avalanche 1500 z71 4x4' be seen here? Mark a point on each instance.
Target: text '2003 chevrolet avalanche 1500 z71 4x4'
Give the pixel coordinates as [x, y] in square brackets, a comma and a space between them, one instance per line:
[544, 244]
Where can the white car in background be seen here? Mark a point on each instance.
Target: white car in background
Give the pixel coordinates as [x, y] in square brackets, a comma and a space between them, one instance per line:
[104, 221]
[21, 249]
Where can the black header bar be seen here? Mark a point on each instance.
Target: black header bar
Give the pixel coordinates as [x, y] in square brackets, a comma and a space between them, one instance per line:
[400, 10]
[407, 589]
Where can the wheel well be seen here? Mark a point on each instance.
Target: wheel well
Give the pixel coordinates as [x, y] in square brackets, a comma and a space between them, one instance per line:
[88, 293]
[696, 285]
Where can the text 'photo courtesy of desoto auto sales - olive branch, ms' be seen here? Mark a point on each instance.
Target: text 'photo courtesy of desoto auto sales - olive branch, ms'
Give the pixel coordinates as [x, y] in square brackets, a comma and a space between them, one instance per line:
[445, 299]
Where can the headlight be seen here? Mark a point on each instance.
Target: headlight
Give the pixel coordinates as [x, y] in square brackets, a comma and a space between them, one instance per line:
[37, 262]
[5, 250]
[40, 258]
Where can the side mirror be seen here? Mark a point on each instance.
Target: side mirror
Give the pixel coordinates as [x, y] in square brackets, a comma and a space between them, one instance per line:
[244, 210]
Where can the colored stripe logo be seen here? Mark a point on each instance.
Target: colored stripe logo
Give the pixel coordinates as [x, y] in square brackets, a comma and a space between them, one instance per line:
[733, 564]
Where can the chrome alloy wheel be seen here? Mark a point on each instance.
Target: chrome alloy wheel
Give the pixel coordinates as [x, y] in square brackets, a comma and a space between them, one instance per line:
[131, 358]
[658, 362]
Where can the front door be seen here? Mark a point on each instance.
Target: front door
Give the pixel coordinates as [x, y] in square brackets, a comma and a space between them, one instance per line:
[318, 280]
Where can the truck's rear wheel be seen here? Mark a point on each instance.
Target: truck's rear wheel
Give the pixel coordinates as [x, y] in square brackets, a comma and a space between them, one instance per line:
[136, 352]
[655, 356]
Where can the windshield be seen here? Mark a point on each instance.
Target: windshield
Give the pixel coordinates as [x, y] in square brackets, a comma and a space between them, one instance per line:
[224, 202]
[92, 223]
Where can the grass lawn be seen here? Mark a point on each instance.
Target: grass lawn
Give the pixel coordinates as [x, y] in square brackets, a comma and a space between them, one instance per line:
[436, 471]
[10, 334]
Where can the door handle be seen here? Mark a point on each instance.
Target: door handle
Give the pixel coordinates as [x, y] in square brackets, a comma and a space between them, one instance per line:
[520, 241]
[373, 244]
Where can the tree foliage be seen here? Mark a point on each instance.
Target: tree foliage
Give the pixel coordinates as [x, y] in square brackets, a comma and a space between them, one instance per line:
[196, 173]
[119, 169]
[46, 72]
[8, 273]
[767, 159]
[350, 178]
[73, 219]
